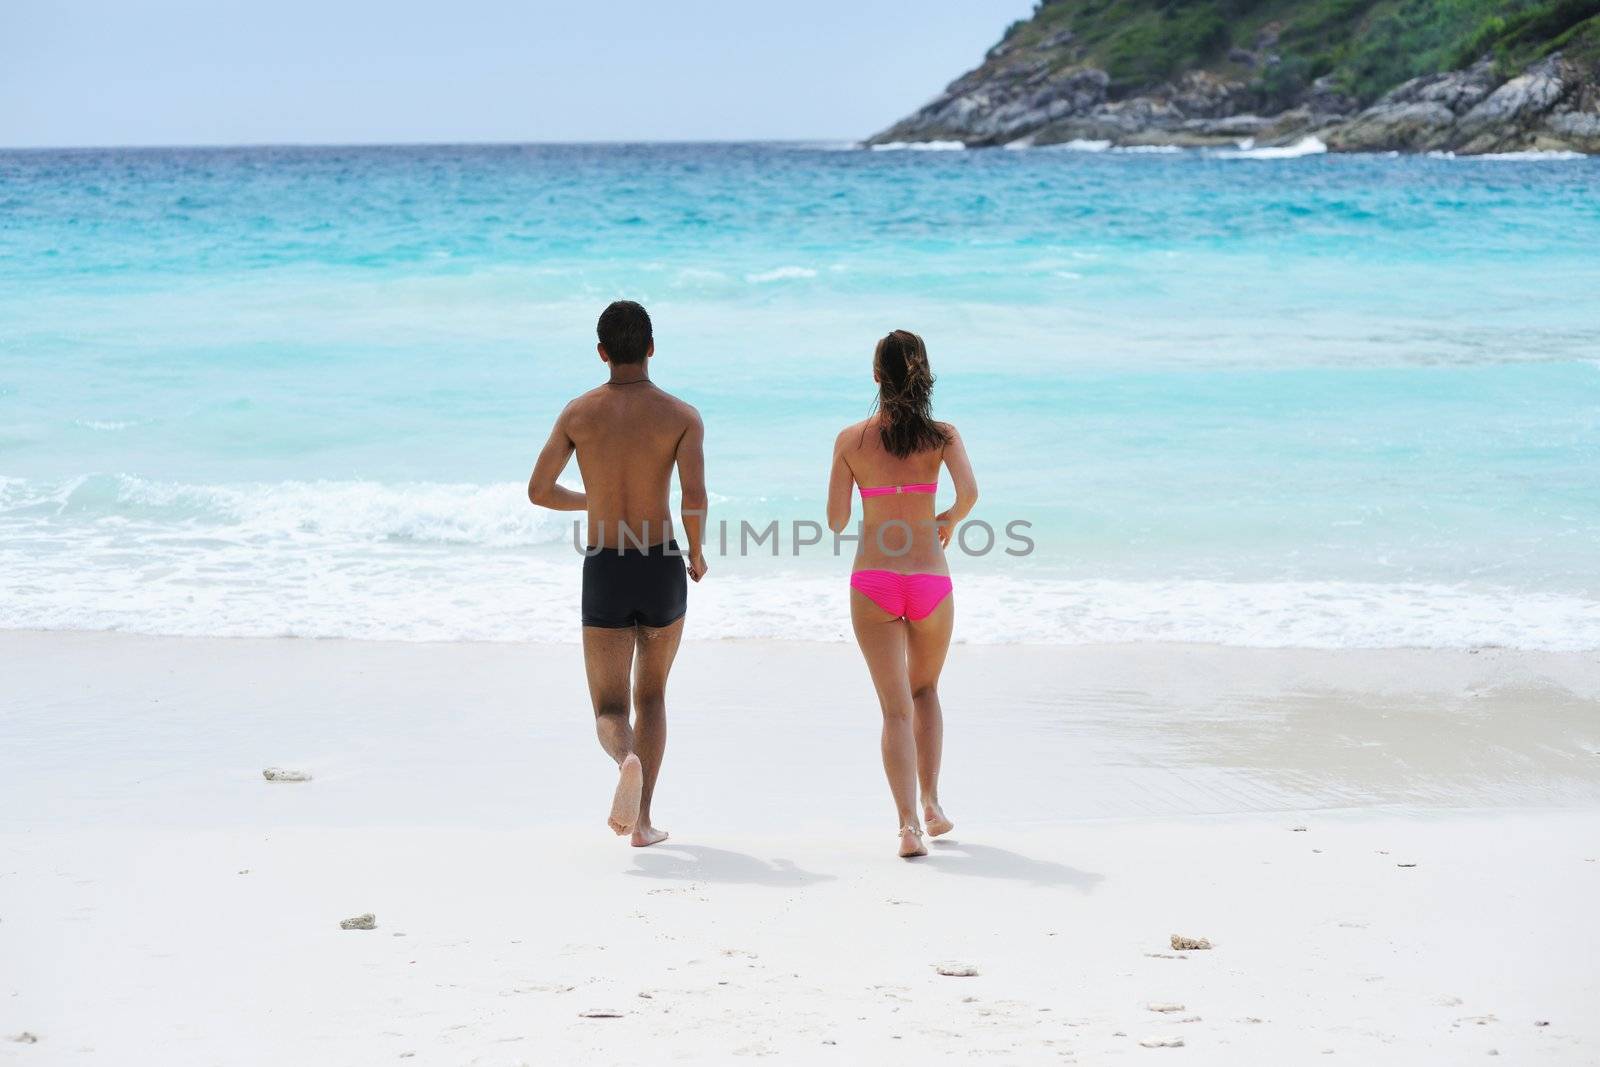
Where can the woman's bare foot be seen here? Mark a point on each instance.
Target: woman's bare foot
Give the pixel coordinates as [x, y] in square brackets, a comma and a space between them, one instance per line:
[911, 843]
[933, 815]
[625, 801]
[644, 836]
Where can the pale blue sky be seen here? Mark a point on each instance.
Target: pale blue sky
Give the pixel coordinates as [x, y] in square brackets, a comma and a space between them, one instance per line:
[126, 72]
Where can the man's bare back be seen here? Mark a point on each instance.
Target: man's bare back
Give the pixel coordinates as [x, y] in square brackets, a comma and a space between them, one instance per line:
[629, 435]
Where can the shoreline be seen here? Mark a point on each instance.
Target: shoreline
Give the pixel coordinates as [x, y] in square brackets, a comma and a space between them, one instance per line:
[733, 640]
[1299, 145]
[400, 732]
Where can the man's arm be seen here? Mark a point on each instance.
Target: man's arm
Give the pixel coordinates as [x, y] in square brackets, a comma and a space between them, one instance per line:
[691, 459]
[542, 488]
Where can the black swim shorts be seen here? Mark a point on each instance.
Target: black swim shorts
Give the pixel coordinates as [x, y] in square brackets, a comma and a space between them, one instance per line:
[630, 586]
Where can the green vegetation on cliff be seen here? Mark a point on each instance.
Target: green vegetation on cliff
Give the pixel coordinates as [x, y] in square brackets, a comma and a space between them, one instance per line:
[1365, 47]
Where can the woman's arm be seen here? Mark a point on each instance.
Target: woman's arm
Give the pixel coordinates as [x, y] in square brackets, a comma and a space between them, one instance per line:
[966, 483]
[840, 482]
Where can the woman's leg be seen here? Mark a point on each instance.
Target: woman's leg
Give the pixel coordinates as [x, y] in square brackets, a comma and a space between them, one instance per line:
[926, 647]
[882, 638]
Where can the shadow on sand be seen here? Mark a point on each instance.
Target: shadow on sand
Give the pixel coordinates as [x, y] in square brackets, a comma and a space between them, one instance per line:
[697, 863]
[986, 861]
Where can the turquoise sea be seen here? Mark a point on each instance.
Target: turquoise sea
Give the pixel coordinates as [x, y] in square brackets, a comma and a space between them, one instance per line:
[1326, 401]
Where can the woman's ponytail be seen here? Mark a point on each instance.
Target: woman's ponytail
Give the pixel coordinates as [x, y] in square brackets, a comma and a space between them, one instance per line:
[905, 396]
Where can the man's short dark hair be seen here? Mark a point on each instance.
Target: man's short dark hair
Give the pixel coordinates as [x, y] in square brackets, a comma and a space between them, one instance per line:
[624, 330]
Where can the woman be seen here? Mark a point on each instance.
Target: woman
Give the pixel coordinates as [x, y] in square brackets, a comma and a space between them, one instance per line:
[900, 599]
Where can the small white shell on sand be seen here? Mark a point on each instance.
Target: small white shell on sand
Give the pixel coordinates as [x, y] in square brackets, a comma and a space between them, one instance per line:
[1161, 1042]
[1188, 944]
[365, 921]
[957, 970]
[600, 1013]
[1159, 1005]
[280, 774]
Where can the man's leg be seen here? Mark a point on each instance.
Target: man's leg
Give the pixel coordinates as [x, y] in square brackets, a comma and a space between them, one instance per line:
[657, 648]
[607, 659]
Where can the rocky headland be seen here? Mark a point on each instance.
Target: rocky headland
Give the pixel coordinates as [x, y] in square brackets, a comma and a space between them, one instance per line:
[1510, 77]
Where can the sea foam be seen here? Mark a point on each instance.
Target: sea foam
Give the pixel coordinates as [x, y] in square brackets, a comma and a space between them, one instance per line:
[1306, 146]
[427, 561]
[781, 274]
[919, 146]
[1527, 156]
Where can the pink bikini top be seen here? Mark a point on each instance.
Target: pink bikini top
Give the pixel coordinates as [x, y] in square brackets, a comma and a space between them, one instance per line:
[890, 490]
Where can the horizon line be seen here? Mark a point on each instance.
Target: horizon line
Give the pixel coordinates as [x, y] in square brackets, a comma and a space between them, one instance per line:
[622, 142]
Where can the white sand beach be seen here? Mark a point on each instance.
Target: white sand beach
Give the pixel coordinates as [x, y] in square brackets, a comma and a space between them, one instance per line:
[1396, 855]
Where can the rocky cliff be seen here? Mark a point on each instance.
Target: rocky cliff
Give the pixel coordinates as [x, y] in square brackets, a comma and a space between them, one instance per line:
[1467, 76]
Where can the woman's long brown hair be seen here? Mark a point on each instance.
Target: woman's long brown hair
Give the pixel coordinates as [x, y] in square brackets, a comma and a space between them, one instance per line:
[905, 396]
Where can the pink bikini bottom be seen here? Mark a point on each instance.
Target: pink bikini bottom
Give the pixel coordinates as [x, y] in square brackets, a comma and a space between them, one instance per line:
[913, 596]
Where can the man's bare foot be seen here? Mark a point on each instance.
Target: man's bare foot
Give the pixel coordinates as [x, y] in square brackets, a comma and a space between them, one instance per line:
[911, 843]
[933, 816]
[645, 836]
[625, 801]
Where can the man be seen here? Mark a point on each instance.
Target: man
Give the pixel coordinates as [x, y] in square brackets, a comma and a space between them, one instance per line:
[629, 435]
